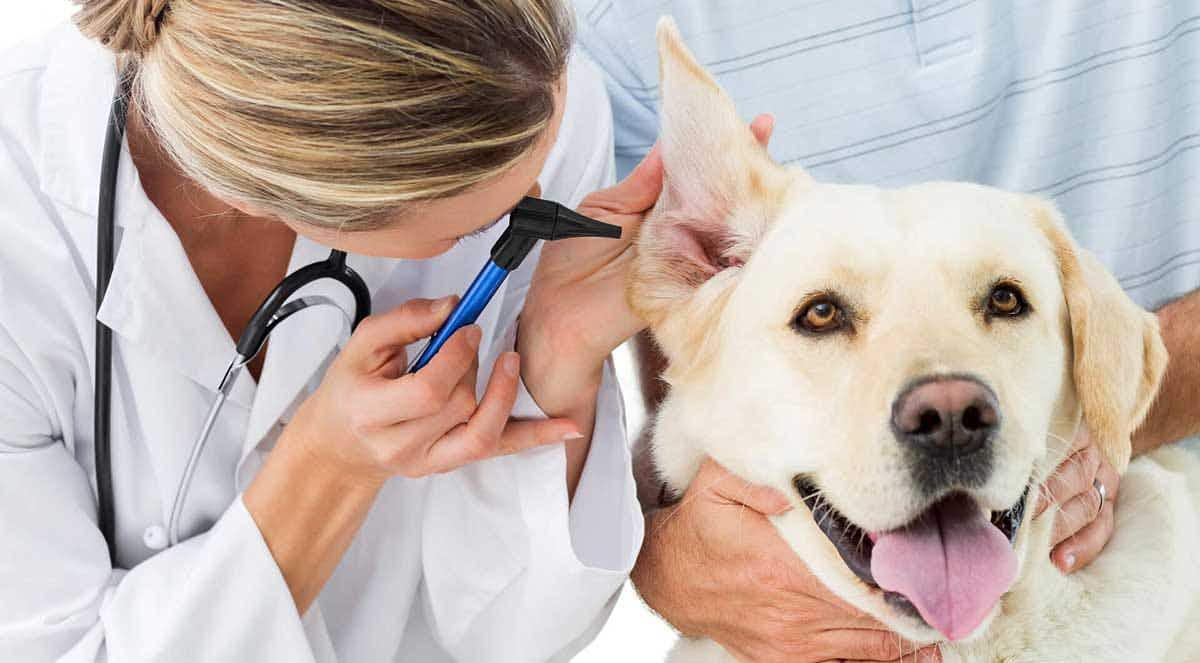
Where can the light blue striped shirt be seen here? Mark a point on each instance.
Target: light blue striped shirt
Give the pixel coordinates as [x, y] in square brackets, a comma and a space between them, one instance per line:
[1092, 103]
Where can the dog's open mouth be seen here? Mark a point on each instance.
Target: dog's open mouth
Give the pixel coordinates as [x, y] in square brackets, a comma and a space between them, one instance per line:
[948, 566]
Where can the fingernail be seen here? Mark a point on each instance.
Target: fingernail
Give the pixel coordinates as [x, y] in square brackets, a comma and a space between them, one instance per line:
[572, 436]
[511, 364]
[1069, 561]
[439, 305]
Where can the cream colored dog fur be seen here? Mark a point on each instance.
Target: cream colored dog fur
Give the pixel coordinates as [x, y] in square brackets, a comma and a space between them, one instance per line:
[739, 247]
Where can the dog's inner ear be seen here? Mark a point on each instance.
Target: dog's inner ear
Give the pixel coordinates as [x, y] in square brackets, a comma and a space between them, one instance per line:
[700, 248]
[721, 189]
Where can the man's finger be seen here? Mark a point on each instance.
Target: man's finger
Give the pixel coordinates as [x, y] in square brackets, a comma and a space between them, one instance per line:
[930, 654]
[1071, 478]
[863, 645]
[1081, 549]
[732, 488]
[762, 127]
[1108, 476]
[1076, 514]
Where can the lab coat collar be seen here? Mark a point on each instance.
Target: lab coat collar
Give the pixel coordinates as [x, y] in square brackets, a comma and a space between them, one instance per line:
[80, 79]
[154, 300]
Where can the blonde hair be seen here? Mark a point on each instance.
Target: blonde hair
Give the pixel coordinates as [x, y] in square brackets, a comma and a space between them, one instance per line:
[339, 113]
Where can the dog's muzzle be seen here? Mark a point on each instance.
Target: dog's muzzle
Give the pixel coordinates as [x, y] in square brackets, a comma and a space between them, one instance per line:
[947, 424]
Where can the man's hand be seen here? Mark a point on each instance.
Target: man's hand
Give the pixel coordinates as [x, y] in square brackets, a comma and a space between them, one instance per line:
[715, 567]
[1082, 525]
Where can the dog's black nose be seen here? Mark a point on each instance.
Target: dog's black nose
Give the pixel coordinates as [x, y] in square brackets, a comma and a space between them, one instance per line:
[948, 415]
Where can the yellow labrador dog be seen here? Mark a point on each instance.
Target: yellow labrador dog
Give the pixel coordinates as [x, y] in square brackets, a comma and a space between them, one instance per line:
[909, 365]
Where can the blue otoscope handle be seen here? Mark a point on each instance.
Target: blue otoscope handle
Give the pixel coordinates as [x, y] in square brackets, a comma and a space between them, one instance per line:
[473, 301]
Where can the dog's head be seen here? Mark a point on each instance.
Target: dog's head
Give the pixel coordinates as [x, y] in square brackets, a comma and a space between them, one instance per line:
[905, 363]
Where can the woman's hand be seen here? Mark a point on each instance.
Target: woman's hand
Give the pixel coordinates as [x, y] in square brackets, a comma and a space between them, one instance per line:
[714, 566]
[371, 420]
[1082, 525]
[576, 303]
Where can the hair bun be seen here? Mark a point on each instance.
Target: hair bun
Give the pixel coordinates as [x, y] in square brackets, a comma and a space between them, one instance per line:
[124, 26]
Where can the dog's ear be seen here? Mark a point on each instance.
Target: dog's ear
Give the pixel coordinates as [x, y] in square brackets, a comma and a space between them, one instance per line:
[720, 189]
[1118, 356]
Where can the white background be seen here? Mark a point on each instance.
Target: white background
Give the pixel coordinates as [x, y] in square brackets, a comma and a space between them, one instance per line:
[633, 634]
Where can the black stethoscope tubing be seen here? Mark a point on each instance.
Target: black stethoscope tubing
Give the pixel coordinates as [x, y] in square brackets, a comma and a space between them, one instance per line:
[114, 136]
[277, 307]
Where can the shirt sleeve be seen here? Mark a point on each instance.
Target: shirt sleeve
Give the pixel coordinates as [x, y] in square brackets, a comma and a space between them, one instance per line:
[217, 597]
[513, 569]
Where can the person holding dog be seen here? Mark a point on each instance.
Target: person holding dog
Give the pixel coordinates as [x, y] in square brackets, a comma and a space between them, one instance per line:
[1049, 98]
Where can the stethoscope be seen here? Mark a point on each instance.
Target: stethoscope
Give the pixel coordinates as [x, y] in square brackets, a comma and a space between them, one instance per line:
[531, 220]
[278, 306]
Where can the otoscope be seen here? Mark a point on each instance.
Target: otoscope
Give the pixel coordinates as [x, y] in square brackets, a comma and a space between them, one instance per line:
[531, 220]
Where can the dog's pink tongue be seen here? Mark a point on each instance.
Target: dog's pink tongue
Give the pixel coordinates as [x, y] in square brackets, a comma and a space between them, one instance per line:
[952, 564]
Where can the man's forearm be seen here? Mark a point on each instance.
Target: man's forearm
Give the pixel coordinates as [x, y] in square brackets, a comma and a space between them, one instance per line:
[1176, 413]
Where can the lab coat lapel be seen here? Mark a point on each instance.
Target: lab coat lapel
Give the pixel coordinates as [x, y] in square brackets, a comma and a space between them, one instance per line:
[154, 300]
[299, 349]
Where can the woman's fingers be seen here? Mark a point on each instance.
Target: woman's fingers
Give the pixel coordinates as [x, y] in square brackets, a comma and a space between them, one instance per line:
[374, 343]
[641, 188]
[484, 435]
[1080, 547]
[408, 446]
[424, 393]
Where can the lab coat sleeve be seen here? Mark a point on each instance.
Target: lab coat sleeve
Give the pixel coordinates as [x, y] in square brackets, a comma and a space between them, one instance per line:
[514, 571]
[218, 597]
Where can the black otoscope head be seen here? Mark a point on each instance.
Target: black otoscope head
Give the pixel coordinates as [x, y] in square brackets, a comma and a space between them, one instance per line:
[533, 219]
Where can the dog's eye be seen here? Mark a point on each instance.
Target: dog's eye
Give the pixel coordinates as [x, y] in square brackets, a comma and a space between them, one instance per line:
[1006, 300]
[822, 315]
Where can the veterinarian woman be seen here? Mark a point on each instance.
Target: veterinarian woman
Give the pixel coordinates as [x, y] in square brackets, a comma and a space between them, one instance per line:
[340, 512]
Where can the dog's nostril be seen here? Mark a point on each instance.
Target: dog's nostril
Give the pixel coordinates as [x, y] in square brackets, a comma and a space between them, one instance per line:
[929, 422]
[978, 416]
[971, 419]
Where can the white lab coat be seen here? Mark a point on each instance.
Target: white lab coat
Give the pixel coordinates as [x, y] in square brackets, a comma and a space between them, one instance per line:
[487, 563]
